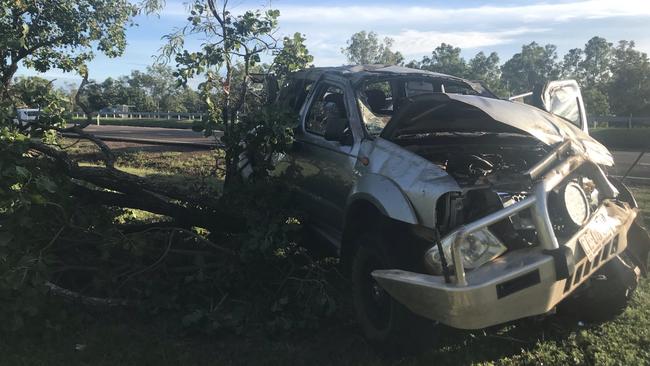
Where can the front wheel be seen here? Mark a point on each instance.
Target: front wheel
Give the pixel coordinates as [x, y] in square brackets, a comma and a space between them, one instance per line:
[606, 294]
[384, 321]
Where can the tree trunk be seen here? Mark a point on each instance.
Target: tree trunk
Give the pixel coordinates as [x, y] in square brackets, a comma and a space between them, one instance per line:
[118, 188]
[7, 77]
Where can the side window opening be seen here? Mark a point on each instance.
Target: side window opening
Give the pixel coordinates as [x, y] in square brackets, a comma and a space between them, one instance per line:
[328, 106]
[377, 105]
[419, 87]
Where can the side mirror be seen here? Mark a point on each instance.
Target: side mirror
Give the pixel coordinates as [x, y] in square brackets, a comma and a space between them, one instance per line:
[337, 130]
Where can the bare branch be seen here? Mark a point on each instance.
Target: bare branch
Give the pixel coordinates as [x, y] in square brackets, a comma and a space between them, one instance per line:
[86, 300]
[195, 236]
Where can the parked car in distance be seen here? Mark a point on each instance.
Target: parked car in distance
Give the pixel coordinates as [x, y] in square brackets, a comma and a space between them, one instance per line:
[26, 115]
[449, 205]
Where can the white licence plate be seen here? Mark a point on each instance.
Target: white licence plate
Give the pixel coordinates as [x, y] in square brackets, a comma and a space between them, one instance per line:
[599, 232]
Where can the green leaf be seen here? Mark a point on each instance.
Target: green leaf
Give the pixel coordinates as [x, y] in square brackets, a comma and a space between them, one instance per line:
[37, 199]
[21, 172]
[45, 183]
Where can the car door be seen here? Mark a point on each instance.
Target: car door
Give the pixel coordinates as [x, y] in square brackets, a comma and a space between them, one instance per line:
[324, 167]
[563, 98]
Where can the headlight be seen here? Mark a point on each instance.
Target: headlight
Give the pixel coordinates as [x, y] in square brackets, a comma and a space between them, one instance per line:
[479, 248]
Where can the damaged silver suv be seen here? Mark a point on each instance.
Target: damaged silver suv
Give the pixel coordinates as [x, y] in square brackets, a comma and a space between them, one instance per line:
[449, 205]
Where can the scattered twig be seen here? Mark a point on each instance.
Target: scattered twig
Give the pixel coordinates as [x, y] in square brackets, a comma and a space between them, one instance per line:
[154, 264]
[512, 339]
[192, 234]
[54, 239]
[86, 300]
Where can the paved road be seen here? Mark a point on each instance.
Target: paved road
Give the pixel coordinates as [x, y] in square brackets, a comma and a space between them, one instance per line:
[150, 134]
[177, 136]
[624, 159]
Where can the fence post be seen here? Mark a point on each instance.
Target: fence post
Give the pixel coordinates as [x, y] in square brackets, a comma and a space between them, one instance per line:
[629, 122]
[97, 119]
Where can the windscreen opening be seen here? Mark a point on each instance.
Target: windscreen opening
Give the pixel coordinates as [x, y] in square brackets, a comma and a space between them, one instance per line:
[380, 99]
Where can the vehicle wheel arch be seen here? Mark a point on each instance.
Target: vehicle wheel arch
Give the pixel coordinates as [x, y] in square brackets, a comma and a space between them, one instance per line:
[359, 216]
[365, 214]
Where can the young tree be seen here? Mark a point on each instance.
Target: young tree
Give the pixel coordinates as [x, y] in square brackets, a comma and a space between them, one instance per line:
[534, 65]
[293, 56]
[234, 45]
[365, 48]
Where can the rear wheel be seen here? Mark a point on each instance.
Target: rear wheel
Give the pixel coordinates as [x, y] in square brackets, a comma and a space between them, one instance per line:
[384, 321]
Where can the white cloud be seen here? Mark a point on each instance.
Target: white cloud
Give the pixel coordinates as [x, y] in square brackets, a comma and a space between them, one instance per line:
[413, 42]
[588, 9]
[419, 27]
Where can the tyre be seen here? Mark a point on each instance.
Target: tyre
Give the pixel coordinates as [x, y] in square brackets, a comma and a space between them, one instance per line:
[606, 294]
[386, 323]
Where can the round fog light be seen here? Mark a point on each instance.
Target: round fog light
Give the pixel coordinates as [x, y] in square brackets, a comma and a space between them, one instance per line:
[576, 203]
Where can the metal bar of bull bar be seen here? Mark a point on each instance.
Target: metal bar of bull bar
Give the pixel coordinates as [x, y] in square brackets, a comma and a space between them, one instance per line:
[538, 202]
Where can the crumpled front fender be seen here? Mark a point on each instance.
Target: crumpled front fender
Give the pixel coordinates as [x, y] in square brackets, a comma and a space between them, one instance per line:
[638, 245]
[386, 195]
[638, 237]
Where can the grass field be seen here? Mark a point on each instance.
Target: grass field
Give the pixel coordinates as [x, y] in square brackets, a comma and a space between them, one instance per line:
[125, 337]
[633, 139]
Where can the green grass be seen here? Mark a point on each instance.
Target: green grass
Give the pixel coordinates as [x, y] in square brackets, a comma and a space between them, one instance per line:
[136, 122]
[192, 172]
[634, 139]
[124, 337]
[642, 195]
[110, 338]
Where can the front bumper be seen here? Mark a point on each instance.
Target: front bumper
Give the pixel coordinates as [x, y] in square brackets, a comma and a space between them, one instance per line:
[519, 284]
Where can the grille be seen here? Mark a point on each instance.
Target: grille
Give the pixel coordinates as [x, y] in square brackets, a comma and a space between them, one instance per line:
[584, 268]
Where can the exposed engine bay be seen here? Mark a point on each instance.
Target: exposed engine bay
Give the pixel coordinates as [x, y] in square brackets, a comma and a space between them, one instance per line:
[491, 170]
[479, 159]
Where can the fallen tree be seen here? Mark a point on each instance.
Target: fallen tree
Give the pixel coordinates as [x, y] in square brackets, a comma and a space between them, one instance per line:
[222, 262]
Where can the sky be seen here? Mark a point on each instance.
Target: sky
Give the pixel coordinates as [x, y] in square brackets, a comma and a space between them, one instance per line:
[416, 27]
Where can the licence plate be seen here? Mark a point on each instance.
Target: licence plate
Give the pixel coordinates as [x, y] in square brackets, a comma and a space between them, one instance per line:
[599, 232]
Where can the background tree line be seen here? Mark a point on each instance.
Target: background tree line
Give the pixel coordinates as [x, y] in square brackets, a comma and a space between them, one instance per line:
[153, 90]
[615, 79]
